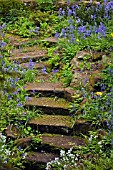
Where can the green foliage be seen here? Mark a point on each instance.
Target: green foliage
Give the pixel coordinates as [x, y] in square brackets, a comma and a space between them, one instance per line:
[12, 5]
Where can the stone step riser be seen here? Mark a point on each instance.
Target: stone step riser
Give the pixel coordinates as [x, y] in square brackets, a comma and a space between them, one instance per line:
[49, 110]
[56, 94]
[53, 129]
[24, 60]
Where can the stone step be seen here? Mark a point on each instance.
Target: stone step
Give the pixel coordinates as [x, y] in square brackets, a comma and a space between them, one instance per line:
[38, 160]
[53, 124]
[43, 77]
[50, 89]
[49, 105]
[35, 65]
[26, 57]
[52, 142]
[61, 141]
[18, 41]
[26, 49]
[45, 89]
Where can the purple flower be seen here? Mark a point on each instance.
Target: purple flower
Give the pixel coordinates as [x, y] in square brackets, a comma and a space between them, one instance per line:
[56, 35]
[78, 20]
[81, 29]
[63, 31]
[28, 98]
[6, 160]
[9, 97]
[44, 70]
[2, 44]
[55, 71]
[70, 12]
[20, 105]
[68, 1]
[15, 92]
[71, 28]
[19, 148]
[31, 64]
[103, 87]
[101, 30]
[63, 12]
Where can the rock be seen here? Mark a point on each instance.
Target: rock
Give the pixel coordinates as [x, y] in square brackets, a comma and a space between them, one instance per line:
[82, 54]
[95, 78]
[75, 64]
[76, 80]
[97, 55]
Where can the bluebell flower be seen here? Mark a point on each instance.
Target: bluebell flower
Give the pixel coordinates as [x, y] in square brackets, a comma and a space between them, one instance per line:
[3, 44]
[68, 1]
[44, 70]
[70, 12]
[56, 35]
[63, 12]
[6, 160]
[55, 71]
[19, 148]
[9, 97]
[71, 28]
[20, 104]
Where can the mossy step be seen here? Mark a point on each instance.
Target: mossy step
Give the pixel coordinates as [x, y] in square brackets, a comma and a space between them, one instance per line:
[62, 141]
[27, 49]
[49, 105]
[38, 160]
[45, 89]
[51, 40]
[52, 89]
[18, 41]
[53, 124]
[52, 142]
[43, 77]
[27, 56]
[36, 65]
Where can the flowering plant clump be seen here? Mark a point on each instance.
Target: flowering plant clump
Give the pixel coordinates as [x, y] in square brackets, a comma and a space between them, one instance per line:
[88, 28]
[68, 160]
[12, 98]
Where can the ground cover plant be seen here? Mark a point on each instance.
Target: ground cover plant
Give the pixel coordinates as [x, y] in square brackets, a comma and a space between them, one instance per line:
[77, 28]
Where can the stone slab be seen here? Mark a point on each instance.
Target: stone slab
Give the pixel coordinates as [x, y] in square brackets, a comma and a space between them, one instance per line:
[49, 105]
[53, 120]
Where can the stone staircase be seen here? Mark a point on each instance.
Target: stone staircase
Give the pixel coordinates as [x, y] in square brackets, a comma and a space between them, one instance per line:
[57, 127]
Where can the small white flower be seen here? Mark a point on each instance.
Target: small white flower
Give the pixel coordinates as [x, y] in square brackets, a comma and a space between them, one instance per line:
[62, 153]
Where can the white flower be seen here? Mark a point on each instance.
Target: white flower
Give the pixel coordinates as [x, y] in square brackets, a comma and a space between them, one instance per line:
[62, 153]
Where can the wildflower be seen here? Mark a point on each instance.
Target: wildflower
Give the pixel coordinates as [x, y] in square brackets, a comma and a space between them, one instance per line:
[19, 148]
[99, 93]
[56, 35]
[44, 70]
[112, 34]
[70, 12]
[55, 70]
[20, 104]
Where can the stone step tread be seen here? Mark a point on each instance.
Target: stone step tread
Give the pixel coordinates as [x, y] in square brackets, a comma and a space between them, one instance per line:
[62, 141]
[29, 55]
[51, 39]
[55, 140]
[47, 86]
[53, 120]
[40, 157]
[43, 77]
[48, 102]
[36, 65]
[26, 49]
